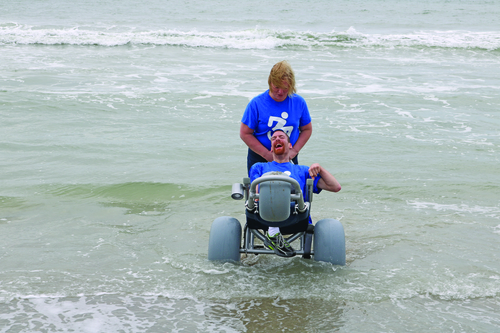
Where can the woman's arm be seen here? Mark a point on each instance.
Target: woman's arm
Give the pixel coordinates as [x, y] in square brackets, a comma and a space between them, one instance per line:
[246, 134]
[305, 134]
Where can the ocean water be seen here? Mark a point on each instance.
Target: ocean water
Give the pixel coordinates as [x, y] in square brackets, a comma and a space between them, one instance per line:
[119, 142]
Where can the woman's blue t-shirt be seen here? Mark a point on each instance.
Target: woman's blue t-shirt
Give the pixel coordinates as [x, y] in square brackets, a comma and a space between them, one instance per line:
[264, 115]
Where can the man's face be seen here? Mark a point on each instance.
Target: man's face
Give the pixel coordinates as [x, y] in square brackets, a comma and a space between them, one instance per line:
[279, 143]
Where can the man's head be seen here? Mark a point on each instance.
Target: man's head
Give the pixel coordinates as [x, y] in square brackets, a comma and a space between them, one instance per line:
[281, 81]
[280, 143]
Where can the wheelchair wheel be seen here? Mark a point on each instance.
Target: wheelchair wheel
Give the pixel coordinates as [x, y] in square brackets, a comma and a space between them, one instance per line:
[225, 239]
[329, 242]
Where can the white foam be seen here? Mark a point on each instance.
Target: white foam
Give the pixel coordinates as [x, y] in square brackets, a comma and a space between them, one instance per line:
[244, 39]
[496, 230]
[461, 208]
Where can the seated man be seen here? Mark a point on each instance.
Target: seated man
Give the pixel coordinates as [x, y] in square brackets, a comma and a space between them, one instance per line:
[323, 180]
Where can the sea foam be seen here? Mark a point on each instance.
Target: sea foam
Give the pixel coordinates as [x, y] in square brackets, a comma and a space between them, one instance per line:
[243, 39]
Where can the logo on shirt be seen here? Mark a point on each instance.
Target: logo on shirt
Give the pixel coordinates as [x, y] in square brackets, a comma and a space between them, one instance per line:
[280, 125]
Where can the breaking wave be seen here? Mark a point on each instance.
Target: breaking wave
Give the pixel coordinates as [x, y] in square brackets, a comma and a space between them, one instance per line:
[12, 33]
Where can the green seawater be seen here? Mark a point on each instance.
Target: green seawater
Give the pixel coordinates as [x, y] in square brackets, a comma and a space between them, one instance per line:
[119, 143]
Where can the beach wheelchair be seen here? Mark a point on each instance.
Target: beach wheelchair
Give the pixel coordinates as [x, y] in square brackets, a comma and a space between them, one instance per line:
[276, 199]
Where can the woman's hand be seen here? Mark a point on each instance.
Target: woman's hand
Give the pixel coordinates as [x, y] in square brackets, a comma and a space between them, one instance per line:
[268, 156]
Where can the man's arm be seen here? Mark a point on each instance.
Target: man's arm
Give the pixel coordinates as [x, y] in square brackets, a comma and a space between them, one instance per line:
[246, 134]
[305, 134]
[327, 181]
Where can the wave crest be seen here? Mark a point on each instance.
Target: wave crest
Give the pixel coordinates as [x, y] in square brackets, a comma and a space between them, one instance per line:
[11, 33]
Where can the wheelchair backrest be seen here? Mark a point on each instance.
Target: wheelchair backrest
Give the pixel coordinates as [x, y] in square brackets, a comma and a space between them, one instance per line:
[275, 196]
[274, 200]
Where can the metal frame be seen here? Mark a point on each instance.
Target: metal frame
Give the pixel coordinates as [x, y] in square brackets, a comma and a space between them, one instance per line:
[249, 245]
[250, 193]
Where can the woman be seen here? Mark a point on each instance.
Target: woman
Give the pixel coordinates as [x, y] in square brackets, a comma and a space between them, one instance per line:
[277, 108]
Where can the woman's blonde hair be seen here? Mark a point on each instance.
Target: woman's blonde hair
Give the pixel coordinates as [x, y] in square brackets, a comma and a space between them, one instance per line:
[282, 71]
